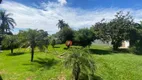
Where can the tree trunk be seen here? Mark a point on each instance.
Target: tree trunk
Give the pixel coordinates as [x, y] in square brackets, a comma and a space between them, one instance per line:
[132, 43]
[68, 46]
[77, 72]
[77, 76]
[32, 53]
[115, 47]
[11, 50]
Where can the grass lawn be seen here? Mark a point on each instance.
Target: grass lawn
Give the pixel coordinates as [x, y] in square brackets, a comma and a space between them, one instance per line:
[49, 65]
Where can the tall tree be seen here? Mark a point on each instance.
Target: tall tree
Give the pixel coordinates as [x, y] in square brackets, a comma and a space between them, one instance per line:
[84, 37]
[34, 38]
[8, 23]
[117, 29]
[101, 31]
[53, 43]
[136, 38]
[81, 63]
[61, 24]
[44, 41]
[10, 41]
[65, 34]
[135, 34]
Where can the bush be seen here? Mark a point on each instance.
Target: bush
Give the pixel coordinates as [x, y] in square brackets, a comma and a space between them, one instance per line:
[137, 48]
[53, 43]
[65, 34]
[84, 37]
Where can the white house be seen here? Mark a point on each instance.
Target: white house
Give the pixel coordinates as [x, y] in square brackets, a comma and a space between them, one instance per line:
[125, 44]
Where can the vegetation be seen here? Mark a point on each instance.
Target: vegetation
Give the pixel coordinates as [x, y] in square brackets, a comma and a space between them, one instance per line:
[84, 37]
[136, 39]
[10, 41]
[61, 24]
[81, 63]
[107, 66]
[65, 34]
[53, 43]
[34, 38]
[117, 30]
[7, 22]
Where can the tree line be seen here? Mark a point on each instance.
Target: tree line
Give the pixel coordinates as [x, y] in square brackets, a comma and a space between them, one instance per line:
[117, 30]
[121, 28]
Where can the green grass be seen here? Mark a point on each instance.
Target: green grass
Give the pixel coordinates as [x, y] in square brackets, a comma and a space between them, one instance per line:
[49, 65]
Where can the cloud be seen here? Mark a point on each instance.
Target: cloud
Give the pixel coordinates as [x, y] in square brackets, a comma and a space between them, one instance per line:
[47, 17]
[62, 2]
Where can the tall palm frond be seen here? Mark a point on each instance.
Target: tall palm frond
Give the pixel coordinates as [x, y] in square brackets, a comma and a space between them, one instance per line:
[81, 62]
[8, 23]
[34, 38]
[61, 24]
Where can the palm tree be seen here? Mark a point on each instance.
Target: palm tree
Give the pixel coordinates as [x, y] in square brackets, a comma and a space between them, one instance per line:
[34, 38]
[80, 62]
[8, 23]
[10, 41]
[61, 24]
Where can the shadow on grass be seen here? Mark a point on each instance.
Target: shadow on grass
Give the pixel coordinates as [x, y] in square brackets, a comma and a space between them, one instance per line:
[56, 47]
[97, 78]
[71, 47]
[66, 48]
[46, 63]
[1, 78]
[42, 64]
[100, 52]
[92, 77]
[122, 51]
[15, 54]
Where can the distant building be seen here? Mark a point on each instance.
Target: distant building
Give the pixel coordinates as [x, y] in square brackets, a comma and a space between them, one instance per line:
[125, 44]
[99, 42]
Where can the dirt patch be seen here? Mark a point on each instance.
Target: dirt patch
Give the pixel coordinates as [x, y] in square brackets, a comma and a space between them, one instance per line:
[62, 77]
[2, 72]
[29, 78]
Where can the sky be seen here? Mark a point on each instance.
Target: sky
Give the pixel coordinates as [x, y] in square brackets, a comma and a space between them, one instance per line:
[44, 14]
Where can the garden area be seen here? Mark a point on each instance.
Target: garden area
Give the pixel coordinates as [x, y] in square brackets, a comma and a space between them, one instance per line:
[50, 65]
[72, 54]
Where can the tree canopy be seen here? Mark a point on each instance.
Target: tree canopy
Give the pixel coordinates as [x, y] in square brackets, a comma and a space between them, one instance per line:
[84, 37]
[34, 38]
[81, 63]
[117, 30]
[61, 24]
[8, 23]
[10, 41]
[65, 34]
